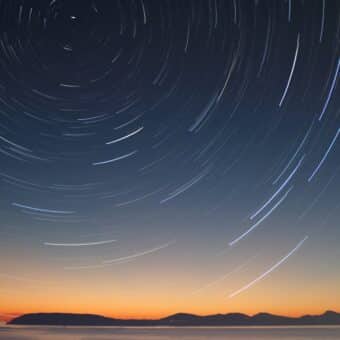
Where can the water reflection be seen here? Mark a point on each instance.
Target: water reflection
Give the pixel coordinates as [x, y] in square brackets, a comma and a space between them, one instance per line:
[117, 333]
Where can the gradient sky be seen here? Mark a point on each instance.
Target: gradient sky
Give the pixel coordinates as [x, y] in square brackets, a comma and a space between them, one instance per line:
[167, 156]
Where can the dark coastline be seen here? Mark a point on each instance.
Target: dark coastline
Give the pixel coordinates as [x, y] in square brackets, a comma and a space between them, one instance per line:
[180, 319]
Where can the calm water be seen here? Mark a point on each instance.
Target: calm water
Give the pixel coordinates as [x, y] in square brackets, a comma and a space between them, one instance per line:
[113, 333]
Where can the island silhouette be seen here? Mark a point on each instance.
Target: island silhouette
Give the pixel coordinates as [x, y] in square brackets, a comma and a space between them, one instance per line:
[179, 319]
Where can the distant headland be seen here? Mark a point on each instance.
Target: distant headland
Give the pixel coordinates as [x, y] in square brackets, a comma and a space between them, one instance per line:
[179, 319]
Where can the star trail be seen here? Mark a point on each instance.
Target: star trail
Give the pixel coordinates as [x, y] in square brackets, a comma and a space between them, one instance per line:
[171, 142]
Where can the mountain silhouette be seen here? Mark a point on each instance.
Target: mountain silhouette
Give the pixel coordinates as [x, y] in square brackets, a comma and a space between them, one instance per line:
[179, 319]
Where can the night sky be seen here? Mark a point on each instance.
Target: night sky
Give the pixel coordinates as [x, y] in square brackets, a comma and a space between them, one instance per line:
[169, 155]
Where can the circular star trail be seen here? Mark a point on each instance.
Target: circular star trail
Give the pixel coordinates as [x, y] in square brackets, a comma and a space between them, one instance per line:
[137, 129]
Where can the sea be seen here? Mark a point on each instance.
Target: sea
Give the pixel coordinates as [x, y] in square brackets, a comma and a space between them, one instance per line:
[168, 333]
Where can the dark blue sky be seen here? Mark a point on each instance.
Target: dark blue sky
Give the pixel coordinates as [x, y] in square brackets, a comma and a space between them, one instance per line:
[201, 135]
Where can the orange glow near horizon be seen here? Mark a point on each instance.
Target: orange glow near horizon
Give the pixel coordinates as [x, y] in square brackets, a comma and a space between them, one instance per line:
[144, 301]
[156, 286]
